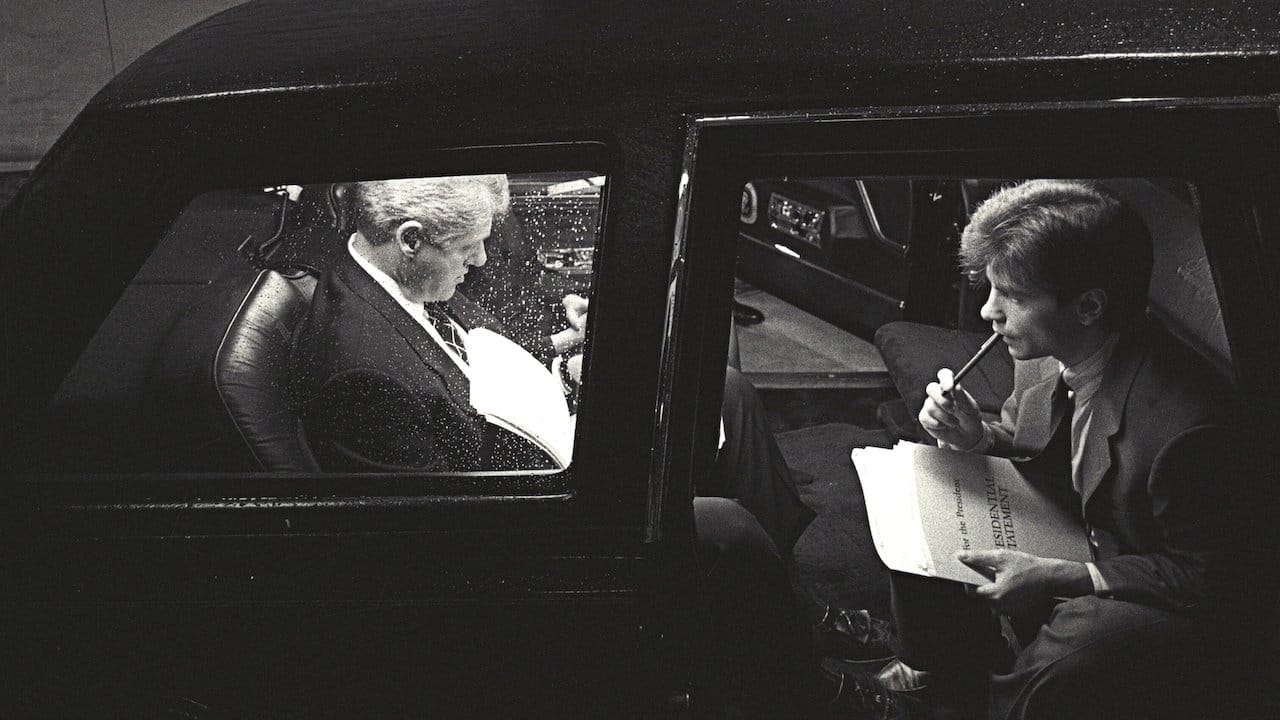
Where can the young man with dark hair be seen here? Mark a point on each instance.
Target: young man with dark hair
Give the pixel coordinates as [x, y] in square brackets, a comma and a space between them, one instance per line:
[1100, 395]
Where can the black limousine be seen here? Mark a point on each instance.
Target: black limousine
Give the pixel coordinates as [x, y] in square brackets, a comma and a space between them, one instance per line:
[773, 187]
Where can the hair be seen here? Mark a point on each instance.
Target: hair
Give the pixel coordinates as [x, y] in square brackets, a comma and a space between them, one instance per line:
[1064, 237]
[447, 207]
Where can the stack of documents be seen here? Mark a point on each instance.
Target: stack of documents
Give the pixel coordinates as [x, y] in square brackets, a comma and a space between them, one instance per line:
[516, 392]
[926, 503]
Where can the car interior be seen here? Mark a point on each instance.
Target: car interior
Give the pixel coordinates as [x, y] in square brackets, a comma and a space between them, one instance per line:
[839, 374]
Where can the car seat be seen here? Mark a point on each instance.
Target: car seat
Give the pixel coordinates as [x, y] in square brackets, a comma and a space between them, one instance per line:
[218, 386]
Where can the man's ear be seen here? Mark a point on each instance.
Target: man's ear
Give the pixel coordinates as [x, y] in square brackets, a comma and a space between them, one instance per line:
[409, 236]
[1090, 306]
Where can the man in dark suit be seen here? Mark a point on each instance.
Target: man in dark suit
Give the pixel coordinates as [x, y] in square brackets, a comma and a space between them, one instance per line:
[380, 373]
[379, 370]
[1102, 406]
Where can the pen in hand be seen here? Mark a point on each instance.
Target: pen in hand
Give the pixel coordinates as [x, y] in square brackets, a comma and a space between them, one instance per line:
[973, 361]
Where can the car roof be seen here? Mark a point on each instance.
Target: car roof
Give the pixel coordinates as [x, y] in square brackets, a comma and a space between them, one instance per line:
[324, 90]
[721, 50]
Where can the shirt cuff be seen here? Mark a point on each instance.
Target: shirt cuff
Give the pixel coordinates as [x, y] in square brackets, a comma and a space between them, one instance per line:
[1100, 586]
[557, 370]
[984, 444]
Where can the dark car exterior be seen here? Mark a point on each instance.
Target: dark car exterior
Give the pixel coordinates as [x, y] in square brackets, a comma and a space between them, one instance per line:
[256, 594]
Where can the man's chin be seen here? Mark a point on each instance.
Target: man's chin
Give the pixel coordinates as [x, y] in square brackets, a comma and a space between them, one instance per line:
[1023, 354]
[1015, 351]
[443, 294]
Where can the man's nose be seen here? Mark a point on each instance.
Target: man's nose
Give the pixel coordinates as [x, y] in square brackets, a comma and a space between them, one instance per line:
[479, 258]
[991, 310]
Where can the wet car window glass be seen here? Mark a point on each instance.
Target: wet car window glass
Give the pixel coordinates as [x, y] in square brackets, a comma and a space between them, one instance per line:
[422, 325]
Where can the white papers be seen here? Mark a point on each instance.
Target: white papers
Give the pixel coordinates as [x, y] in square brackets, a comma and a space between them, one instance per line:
[925, 503]
[893, 509]
[516, 392]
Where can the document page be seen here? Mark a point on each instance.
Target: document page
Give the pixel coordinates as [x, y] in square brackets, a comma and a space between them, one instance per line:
[515, 391]
[977, 502]
[926, 503]
[892, 509]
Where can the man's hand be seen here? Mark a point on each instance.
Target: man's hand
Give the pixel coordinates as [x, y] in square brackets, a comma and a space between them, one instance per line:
[574, 367]
[1024, 582]
[575, 311]
[950, 413]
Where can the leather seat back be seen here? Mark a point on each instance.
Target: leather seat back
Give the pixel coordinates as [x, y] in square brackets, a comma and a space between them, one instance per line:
[1183, 296]
[219, 383]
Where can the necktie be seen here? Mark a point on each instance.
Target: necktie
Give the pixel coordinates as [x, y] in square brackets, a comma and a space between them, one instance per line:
[1057, 452]
[439, 316]
[1063, 406]
[1057, 455]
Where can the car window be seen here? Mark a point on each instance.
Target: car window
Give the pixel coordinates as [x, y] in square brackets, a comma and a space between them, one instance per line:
[411, 325]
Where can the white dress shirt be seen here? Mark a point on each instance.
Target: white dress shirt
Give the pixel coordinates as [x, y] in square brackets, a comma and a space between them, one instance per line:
[1084, 378]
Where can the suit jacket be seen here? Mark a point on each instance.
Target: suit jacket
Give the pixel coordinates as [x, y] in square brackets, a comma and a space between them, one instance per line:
[375, 392]
[1155, 526]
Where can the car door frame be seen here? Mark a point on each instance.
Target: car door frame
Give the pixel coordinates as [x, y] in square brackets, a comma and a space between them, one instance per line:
[1234, 140]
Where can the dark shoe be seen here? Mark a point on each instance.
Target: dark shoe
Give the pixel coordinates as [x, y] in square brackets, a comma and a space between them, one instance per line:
[860, 696]
[746, 315]
[901, 677]
[853, 636]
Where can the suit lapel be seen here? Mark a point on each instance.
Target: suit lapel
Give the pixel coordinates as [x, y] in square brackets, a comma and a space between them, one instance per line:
[1108, 411]
[428, 351]
[1036, 423]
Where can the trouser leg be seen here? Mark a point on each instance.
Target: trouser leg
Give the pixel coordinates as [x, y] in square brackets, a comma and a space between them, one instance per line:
[938, 628]
[750, 467]
[1103, 659]
[759, 640]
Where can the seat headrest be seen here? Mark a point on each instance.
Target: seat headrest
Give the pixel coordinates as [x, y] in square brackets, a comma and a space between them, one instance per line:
[1182, 296]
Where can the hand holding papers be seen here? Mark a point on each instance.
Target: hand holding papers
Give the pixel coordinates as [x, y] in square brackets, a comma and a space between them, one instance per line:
[926, 503]
[514, 391]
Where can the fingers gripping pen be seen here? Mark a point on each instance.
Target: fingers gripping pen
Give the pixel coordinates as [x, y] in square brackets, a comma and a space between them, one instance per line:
[973, 361]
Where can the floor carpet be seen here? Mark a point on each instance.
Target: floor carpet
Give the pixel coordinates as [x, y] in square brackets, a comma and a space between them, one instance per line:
[835, 561]
[791, 341]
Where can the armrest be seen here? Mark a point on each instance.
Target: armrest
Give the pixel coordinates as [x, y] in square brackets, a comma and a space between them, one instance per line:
[913, 354]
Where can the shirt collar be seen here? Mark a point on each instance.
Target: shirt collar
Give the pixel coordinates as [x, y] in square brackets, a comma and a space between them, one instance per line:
[1085, 376]
[384, 280]
[416, 310]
